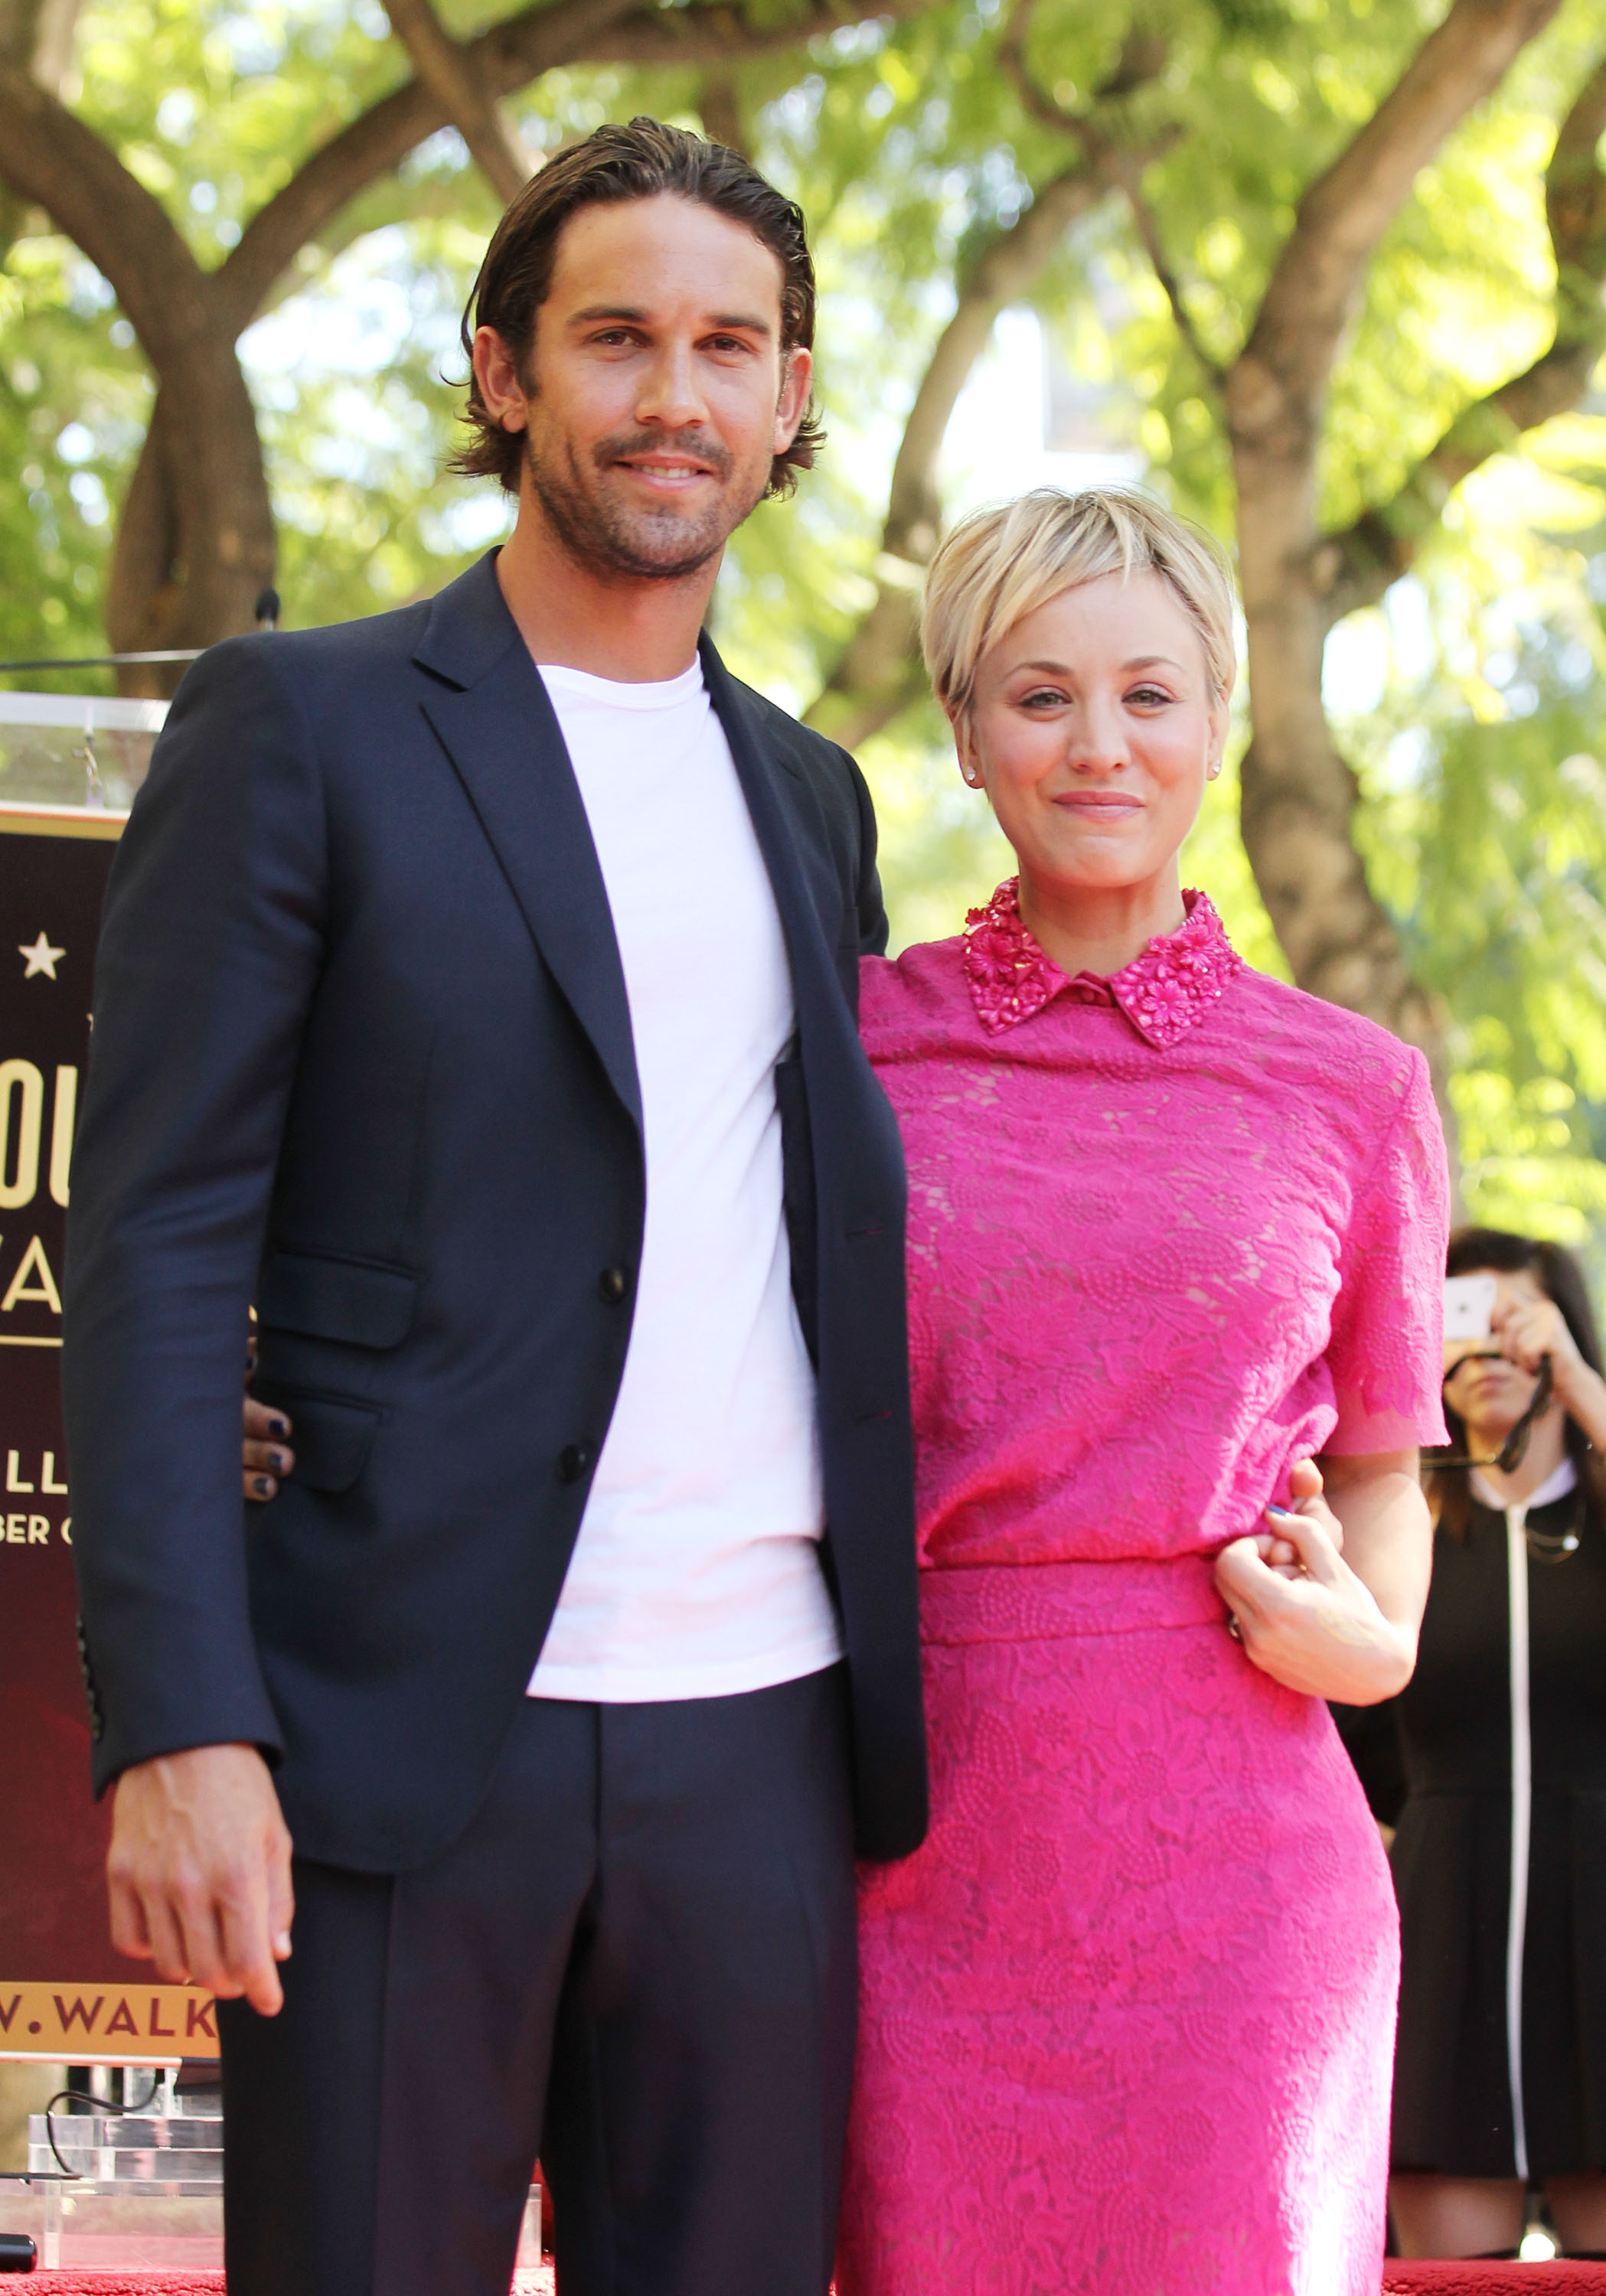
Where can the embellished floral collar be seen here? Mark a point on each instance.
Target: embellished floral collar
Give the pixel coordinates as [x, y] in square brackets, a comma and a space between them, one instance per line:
[1162, 992]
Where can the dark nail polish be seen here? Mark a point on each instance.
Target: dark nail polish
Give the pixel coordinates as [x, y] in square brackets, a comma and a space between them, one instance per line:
[279, 1463]
[279, 1428]
[1281, 1514]
[263, 1488]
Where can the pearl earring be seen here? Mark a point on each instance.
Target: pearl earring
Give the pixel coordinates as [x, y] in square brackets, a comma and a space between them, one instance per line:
[1212, 770]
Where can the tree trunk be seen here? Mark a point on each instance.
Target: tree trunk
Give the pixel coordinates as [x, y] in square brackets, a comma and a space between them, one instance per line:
[208, 548]
[195, 544]
[1299, 795]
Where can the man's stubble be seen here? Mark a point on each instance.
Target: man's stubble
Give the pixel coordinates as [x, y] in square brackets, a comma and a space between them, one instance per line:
[600, 534]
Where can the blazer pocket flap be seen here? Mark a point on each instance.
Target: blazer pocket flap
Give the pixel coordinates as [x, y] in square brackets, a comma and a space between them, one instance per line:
[366, 1305]
[331, 1441]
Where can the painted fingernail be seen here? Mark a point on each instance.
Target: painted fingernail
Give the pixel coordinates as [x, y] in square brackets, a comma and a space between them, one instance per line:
[279, 1428]
[1280, 1514]
[263, 1488]
[280, 1464]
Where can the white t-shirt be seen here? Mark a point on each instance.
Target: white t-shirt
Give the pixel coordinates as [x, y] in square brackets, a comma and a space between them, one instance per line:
[696, 1572]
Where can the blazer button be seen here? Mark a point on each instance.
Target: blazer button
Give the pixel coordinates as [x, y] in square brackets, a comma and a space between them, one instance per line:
[572, 1461]
[612, 1284]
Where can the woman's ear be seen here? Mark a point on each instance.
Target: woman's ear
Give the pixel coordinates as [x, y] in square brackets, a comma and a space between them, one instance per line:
[970, 764]
[1219, 723]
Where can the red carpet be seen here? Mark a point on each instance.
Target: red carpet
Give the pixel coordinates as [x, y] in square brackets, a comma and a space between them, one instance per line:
[1398, 2280]
[1493, 2279]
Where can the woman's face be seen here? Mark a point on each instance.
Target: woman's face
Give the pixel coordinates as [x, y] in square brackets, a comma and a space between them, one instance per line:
[1486, 1390]
[1093, 728]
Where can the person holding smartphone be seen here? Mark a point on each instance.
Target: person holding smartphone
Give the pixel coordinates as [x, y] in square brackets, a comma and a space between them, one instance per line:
[1500, 1853]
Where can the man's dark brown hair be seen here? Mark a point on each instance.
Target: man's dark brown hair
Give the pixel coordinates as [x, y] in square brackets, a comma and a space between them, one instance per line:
[641, 161]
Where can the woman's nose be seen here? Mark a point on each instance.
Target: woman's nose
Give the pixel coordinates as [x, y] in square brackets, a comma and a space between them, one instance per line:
[1098, 740]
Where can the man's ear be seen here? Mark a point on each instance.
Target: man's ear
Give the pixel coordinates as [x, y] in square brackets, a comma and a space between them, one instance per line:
[797, 372]
[496, 372]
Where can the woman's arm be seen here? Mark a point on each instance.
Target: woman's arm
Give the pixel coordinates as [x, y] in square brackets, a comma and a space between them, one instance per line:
[1329, 1598]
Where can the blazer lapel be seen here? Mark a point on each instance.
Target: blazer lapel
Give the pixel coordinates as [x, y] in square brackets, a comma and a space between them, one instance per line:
[503, 738]
[759, 774]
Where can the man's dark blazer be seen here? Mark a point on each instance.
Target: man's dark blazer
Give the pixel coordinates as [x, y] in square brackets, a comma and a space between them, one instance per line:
[362, 1055]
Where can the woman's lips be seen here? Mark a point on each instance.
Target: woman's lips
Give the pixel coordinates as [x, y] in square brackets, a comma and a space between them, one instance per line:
[1111, 807]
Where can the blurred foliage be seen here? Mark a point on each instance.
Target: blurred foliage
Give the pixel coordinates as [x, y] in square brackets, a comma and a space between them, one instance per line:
[1485, 823]
[1473, 705]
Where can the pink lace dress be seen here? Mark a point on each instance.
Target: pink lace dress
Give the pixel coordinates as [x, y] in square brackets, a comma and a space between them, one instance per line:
[1126, 2018]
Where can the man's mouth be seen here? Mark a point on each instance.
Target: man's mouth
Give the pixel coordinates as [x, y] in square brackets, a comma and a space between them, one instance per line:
[670, 471]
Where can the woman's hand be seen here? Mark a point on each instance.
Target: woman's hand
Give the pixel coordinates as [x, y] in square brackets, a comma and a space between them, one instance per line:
[266, 1457]
[1529, 1329]
[1308, 1618]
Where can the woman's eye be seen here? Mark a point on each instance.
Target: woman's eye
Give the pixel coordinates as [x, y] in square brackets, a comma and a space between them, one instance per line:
[1044, 697]
[1149, 697]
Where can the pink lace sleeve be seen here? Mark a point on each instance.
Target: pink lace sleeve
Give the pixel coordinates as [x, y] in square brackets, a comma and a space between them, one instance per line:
[1386, 1352]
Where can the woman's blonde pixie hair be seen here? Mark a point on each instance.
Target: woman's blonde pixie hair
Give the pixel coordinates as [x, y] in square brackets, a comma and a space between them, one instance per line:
[1001, 564]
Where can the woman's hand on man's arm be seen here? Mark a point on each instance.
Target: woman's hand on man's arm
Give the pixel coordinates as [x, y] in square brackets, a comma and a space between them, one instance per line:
[1330, 1596]
[266, 1457]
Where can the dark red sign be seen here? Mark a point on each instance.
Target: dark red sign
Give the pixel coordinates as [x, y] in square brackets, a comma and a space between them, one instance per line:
[63, 1992]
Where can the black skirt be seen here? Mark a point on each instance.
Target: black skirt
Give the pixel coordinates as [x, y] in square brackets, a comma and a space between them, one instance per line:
[1503, 1964]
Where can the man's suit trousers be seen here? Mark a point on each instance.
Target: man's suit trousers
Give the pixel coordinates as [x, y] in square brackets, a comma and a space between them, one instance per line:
[639, 1959]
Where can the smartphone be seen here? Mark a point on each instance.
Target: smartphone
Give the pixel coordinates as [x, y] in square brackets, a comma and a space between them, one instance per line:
[1469, 1305]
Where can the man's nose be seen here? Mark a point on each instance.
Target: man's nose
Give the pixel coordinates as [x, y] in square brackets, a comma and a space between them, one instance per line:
[670, 395]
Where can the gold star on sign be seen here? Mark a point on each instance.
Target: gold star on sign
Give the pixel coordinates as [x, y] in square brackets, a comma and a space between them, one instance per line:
[41, 958]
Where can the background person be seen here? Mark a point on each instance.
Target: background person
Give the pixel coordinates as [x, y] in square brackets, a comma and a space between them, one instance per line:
[1500, 1855]
[1126, 2017]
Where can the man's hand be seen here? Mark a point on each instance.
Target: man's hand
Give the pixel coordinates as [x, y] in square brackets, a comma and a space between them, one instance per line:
[266, 1457]
[199, 1872]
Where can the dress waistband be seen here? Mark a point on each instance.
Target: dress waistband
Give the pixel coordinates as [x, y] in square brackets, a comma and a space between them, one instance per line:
[1040, 1600]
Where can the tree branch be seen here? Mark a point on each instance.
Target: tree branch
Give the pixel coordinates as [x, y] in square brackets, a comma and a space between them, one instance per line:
[878, 675]
[1361, 562]
[216, 521]
[1154, 247]
[379, 139]
[712, 35]
[506, 57]
[38, 35]
[452, 76]
[1283, 374]
[720, 109]
[50, 157]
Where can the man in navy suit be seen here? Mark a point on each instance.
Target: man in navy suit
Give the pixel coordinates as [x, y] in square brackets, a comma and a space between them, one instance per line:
[476, 998]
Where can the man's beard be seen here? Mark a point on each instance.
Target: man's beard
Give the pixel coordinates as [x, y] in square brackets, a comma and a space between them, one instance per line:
[601, 535]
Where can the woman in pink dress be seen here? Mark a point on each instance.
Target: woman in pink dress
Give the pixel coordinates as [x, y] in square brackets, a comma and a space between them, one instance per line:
[1174, 1229]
